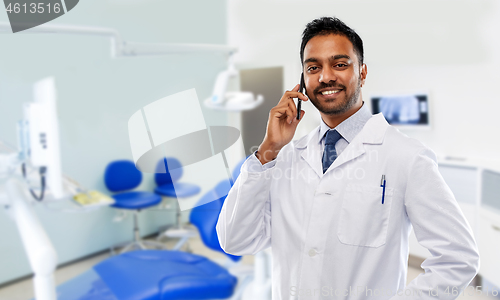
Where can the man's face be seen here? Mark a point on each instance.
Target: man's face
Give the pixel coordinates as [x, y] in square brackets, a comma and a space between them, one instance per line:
[332, 74]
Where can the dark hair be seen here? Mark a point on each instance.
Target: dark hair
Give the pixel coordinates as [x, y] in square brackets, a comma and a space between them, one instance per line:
[329, 25]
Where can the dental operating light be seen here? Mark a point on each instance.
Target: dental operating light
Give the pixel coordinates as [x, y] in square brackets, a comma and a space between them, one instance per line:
[221, 99]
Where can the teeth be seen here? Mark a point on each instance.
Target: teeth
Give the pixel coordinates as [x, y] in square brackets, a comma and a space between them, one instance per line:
[330, 92]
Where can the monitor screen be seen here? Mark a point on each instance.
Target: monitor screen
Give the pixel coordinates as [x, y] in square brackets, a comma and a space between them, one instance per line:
[405, 109]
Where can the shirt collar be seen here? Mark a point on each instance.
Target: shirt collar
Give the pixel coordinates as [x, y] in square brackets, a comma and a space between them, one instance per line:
[350, 127]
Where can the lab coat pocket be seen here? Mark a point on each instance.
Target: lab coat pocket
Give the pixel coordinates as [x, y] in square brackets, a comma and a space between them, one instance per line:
[363, 218]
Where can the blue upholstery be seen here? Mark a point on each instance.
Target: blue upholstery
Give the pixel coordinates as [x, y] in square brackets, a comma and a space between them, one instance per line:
[205, 216]
[181, 190]
[168, 171]
[86, 286]
[221, 190]
[122, 175]
[135, 200]
[162, 275]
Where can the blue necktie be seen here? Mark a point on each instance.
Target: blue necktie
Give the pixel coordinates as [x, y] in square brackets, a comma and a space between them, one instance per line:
[330, 154]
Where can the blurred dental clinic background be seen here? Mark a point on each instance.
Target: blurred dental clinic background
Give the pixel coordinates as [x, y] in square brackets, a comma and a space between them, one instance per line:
[446, 52]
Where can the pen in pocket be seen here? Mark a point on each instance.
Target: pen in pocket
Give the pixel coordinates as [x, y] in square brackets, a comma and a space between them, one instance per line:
[382, 185]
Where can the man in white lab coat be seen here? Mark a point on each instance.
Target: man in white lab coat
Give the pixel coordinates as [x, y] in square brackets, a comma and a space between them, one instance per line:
[337, 205]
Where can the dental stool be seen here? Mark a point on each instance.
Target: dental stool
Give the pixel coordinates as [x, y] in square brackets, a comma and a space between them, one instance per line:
[168, 173]
[120, 177]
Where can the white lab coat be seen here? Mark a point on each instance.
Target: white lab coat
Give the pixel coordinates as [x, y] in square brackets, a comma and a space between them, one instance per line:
[331, 236]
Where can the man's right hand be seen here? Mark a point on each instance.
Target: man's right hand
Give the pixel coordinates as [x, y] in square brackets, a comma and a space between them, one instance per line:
[281, 125]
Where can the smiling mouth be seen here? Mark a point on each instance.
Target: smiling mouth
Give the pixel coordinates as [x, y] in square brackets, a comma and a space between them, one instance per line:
[331, 92]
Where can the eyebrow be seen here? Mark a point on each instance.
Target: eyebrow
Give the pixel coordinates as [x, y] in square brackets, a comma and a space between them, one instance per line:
[339, 56]
[332, 58]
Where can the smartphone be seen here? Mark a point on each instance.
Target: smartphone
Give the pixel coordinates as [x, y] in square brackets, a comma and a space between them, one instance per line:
[301, 88]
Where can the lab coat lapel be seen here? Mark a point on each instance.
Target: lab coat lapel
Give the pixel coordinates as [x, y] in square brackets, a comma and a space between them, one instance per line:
[307, 151]
[372, 133]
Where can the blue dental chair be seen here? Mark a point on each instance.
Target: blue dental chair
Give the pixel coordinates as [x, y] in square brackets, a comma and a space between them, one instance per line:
[205, 215]
[122, 177]
[168, 172]
[163, 275]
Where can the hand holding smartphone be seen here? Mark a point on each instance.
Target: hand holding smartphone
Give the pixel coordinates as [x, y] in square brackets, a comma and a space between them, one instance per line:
[281, 125]
[301, 88]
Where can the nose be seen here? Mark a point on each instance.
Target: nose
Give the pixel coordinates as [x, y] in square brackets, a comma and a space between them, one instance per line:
[327, 75]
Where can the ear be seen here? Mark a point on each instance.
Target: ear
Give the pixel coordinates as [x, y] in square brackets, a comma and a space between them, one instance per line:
[364, 71]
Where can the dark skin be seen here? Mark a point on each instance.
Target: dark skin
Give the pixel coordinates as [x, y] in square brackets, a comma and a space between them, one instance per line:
[333, 79]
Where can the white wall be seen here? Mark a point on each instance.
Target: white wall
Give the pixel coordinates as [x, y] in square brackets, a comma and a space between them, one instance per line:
[96, 97]
[450, 48]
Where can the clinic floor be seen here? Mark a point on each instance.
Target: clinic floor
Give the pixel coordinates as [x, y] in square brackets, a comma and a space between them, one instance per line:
[23, 289]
